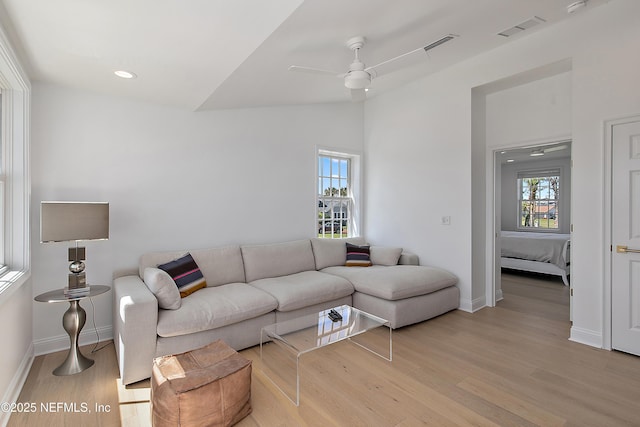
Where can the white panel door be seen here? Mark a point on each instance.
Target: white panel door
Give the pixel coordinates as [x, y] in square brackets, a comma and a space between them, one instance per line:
[625, 284]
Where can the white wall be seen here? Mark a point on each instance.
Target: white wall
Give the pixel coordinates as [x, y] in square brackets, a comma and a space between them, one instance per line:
[174, 180]
[16, 339]
[418, 142]
[534, 111]
[509, 187]
[418, 169]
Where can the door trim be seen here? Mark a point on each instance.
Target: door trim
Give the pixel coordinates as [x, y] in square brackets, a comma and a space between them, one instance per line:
[608, 225]
[493, 288]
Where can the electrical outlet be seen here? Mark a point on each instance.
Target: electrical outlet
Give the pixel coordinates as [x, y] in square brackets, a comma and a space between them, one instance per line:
[445, 220]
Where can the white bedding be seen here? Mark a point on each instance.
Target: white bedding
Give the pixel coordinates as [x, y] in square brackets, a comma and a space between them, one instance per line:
[542, 247]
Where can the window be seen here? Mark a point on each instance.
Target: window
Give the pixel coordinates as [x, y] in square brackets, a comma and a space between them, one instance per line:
[539, 199]
[14, 170]
[3, 267]
[336, 200]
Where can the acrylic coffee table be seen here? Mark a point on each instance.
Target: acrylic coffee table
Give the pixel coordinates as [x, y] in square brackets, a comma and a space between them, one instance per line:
[283, 343]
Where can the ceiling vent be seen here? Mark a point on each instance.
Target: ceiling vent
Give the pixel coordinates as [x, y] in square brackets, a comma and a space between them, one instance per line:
[529, 23]
[438, 42]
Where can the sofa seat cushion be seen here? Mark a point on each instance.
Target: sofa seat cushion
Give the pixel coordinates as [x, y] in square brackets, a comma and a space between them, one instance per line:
[214, 307]
[395, 282]
[304, 289]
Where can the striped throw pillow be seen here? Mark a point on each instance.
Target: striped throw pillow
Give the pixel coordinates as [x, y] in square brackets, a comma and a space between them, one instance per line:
[186, 274]
[358, 256]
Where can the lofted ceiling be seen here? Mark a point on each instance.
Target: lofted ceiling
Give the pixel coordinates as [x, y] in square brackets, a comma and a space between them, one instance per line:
[214, 54]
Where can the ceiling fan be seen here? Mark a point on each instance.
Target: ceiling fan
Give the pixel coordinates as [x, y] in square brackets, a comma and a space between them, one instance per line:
[543, 151]
[358, 78]
[556, 148]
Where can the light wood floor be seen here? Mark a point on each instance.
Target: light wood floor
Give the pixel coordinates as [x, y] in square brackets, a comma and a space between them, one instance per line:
[509, 366]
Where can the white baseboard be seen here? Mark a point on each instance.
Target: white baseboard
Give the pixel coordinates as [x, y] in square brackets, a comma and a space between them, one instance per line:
[61, 342]
[15, 387]
[471, 306]
[585, 336]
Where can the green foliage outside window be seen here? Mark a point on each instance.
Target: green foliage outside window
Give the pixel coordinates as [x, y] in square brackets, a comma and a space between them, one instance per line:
[539, 202]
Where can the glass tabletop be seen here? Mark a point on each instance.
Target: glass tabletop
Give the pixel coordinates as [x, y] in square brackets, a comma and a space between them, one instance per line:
[310, 332]
[58, 295]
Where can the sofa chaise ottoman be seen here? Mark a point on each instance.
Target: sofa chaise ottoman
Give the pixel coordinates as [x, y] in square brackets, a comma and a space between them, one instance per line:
[394, 287]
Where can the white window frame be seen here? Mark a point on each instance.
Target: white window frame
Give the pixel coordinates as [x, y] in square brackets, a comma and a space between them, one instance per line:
[3, 266]
[14, 134]
[353, 197]
[539, 173]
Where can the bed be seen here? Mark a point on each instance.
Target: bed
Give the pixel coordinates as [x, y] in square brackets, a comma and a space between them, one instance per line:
[546, 253]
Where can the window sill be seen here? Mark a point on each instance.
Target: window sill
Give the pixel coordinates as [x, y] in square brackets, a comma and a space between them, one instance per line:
[10, 282]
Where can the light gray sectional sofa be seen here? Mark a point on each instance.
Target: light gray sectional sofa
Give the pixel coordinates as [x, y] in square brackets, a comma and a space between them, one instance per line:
[252, 286]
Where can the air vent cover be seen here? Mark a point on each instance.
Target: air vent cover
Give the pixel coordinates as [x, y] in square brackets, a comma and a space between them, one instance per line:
[439, 42]
[521, 26]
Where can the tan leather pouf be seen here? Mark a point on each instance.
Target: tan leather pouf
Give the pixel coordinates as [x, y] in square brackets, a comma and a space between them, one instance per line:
[209, 386]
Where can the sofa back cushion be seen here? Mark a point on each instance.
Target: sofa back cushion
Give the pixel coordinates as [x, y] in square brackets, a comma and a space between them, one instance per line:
[385, 255]
[219, 266]
[332, 252]
[278, 259]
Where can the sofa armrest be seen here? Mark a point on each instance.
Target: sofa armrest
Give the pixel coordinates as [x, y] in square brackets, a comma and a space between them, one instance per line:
[135, 322]
[408, 258]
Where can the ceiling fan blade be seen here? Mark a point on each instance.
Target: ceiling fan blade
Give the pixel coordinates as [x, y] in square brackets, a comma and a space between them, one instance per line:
[556, 148]
[311, 70]
[358, 95]
[426, 48]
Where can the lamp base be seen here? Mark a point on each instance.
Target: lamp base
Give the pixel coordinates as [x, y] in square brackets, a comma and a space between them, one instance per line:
[77, 280]
[73, 321]
[77, 253]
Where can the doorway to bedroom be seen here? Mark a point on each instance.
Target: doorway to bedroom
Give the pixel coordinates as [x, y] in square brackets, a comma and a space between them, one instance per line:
[533, 228]
[528, 136]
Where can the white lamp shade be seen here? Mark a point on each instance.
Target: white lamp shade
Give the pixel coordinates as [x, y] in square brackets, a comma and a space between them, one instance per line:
[71, 221]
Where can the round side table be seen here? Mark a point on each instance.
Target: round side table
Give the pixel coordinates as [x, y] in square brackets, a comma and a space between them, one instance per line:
[73, 321]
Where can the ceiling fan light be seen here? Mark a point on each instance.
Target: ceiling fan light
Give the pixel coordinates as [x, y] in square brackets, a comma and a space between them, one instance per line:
[357, 80]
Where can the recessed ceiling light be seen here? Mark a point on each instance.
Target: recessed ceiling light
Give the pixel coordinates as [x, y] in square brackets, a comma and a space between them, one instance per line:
[125, 74]
[537, 153]
[510, 160]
